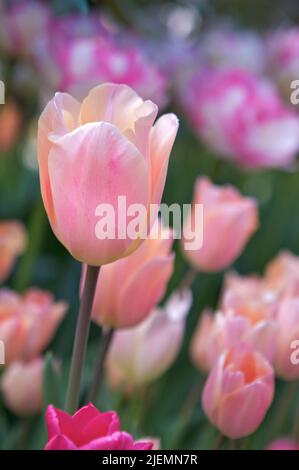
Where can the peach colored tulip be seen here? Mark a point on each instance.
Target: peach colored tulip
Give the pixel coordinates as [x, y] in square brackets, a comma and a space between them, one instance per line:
[229, 220]
[94, 152]
[10, 123]
[129, 288]
[283, 443]
[224, 330]
[251, 297]
[28, 322]
[287, 355]
[140, 355]
[238, 391]
[282, 274]
[22, 387]
[13, 240]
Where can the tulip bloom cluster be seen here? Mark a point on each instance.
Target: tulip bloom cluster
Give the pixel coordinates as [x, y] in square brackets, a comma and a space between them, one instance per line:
[259, 314]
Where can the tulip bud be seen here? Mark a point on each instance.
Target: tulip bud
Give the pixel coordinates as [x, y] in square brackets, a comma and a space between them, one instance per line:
[140, 355]
[238, 391]
[225, 212]
[91, 155]
[22, 387]
[129, 288]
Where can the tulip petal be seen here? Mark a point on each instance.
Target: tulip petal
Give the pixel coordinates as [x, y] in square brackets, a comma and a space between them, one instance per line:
[94, 164]
[116, 441]
[136, 302]
[60, 442]
[162, 140]
[59, 117]
[58, 422]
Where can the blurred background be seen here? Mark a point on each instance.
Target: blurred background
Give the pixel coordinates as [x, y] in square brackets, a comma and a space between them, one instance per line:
[156, 47]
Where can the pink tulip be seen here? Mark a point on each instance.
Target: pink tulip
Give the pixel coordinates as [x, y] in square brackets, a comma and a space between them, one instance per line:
[141, 280]
[22, 387]
[220, 332]
[226, 49]
[140, 355]
[28, 322]
[283, 56]
[283, 443]
[282, 274]
[88, 429]
[251, 297]
[13, 240]
[91, 154]
[242, 118]
[238, 392]
[287, 355]
[225, 212]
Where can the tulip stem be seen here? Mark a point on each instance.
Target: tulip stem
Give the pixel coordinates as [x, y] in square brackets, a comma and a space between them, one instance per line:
[81, 339]
[220, 442]
[100, 364]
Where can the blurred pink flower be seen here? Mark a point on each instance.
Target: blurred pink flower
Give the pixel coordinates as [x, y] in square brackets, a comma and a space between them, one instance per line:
[129, 288]
[75, 60]
[242, 118]
[10, 125]
[22, 24]
[217, 333]
[141, 354]
[282, 274]
[92, 153]
[225, 212]
[13, 241]
[238, 391]
[226, 48]
[283, 57]
[28, 322]
[88, 429]
[22, 387]
[288, 327]
[283, 443]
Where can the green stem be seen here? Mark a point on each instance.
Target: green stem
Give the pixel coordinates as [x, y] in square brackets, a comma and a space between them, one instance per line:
[36, 231]
[99, 368]
[81, 339]
[220, 442]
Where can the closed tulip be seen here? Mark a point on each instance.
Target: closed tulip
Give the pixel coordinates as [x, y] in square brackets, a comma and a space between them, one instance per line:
[13, 240]
[282, 274]
[283, 443]
[229, 220]
[22, 387]
[129, 288]
[88, 429]
[140, 355]
[238, 391]
[28, 322]
[92, 153]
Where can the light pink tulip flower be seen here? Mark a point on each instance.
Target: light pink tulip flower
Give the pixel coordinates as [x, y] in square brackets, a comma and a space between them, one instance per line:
[282, 274]
[238, 391]
[229, 220]
[28, 322]
[22, 387]
[92, 153]
[129, 288]
[140, 355]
